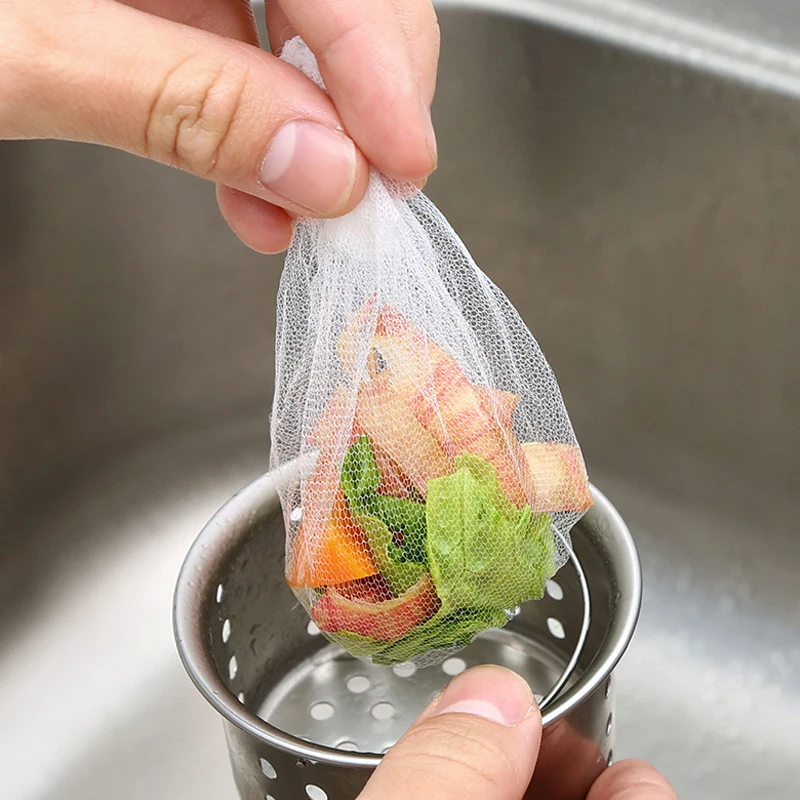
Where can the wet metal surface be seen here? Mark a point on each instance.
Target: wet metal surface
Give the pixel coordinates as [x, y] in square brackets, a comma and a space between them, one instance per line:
[638, 206]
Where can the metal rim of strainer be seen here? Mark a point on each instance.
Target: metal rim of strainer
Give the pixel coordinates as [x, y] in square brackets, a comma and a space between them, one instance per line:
[196, 582]
[584, 632]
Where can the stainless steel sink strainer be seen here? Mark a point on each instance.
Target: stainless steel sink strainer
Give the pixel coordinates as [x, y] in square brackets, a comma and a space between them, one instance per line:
[305, 720]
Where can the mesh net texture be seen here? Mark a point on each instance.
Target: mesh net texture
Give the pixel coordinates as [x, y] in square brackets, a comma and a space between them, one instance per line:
[439, 472]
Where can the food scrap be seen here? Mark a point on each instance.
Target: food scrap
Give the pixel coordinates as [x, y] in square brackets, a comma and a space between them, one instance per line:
[426, 520]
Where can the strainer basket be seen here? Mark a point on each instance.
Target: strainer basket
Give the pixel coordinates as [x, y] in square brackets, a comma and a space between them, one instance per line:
[306, 721]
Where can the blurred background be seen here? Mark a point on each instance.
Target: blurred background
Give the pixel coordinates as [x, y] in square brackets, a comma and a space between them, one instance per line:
[628, 173]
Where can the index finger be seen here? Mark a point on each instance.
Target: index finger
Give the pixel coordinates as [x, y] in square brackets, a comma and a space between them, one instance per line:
[631, 780]
[367, 65]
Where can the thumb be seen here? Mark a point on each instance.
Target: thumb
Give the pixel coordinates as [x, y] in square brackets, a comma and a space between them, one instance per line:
[478, 741]
[221, 109]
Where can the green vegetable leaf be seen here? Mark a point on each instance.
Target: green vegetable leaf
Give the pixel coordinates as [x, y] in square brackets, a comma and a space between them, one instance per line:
[485, 555]
[360, 474]
[380, 516]
[483, 552]
[406, 517]
[399, 575]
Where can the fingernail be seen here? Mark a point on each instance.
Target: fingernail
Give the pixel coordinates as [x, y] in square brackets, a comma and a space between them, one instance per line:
[430, 134]
[311, 165]
[494, 693]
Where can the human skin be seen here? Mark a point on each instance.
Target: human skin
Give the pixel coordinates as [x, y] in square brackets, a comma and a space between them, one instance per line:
[479, 740]
[185, 83]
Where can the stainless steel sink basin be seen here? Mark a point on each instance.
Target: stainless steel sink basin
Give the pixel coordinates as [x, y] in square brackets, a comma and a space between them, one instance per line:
[633, 186]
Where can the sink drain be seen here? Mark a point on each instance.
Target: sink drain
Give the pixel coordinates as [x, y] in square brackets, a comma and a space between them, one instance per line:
[312, 721]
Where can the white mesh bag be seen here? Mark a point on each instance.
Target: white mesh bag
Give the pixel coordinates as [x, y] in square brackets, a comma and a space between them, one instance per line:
[439, 472]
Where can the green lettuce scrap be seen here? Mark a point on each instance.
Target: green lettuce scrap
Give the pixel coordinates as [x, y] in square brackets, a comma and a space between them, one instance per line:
[484, 554]
[482, 550]
[381, 516]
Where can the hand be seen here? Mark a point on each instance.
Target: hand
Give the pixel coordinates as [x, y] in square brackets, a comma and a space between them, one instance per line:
[185, 83]
[480, 741]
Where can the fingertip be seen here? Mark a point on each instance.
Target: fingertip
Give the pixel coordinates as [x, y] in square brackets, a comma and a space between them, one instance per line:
[373, 73]
[260, 225]
[478, 740]
[493, 692]
[409, 158]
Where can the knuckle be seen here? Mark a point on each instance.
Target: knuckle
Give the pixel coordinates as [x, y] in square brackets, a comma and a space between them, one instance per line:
[420, 25]
[195, 112]
[345, 33]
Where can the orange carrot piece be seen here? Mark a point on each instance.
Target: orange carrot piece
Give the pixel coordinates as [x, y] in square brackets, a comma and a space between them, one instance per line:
[339, 553]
